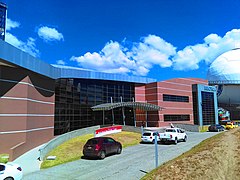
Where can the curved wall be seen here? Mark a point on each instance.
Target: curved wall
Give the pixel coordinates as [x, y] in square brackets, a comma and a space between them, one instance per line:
[26, 110]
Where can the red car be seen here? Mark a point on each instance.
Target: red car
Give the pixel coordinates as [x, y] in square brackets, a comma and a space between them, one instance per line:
[101, 147]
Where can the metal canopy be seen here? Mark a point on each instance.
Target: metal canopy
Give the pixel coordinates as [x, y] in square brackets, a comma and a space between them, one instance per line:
[135, 105]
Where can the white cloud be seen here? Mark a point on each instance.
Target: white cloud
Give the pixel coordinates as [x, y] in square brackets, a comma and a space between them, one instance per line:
[29, 46]
[61, 62]
[152, 50]
[110, 59]
[49, 34]
[11, 24]
[13, 40]
[213, 46]
[138, 60]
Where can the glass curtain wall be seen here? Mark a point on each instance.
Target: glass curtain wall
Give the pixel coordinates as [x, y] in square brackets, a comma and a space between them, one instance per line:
[75, 97]
[208, 111]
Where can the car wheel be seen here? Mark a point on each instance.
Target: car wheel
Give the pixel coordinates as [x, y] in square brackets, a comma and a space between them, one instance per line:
[8, 178]
[119, 150]
[185, 139]
[102, 155]
[175, 141]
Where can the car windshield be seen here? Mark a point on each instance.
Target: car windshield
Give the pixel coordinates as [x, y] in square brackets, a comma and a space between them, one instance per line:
[146, 134]
[2, 167]
[170, 130]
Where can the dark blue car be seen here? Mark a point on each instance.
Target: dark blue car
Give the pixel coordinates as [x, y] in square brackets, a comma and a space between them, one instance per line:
[215, 127]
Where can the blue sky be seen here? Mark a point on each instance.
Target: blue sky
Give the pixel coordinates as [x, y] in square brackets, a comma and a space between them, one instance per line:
[160, 39]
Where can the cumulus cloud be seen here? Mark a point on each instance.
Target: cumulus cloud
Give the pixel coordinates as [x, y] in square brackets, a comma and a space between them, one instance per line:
[49, 34]
[152, 50]
[213, 46]
[138, 60]
[11, 24]
[110, 59]
[61, 62]
[29, 46]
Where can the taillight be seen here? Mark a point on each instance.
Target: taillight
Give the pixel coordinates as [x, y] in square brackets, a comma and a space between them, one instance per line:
[19, 168]
[97, 147]
[170, 136]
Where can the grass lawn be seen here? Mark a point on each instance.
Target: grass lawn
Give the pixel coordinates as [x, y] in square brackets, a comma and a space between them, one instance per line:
[71, 150]
[4, 158]
[191, 158]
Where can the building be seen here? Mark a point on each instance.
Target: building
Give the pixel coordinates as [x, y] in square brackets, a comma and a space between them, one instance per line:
[184, 100]
[39, 101]
[224, 73]
[3, 10]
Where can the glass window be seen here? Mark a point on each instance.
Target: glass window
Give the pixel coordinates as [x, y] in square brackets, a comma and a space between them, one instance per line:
[170, 130]
[75, 97]
[175, 98]
[208, 110]
[176, 117]
[2, 167]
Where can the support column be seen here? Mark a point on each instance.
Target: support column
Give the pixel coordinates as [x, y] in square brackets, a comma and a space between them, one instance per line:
[134, 116]
[146, 119]
[112, 112]
[103, 117]
[123, 115]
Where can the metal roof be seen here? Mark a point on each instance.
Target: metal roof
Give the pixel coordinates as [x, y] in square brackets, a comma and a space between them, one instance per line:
[135, 105]
[12, 55]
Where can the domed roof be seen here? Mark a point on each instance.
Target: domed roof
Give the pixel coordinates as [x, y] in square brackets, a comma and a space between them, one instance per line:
[225, 69]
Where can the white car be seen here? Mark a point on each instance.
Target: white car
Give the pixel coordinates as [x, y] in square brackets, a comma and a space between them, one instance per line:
[174, 135]
[10, 171]
[149, 136]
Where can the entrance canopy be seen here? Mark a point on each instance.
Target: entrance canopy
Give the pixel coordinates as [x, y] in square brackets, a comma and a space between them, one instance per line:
[135, 105]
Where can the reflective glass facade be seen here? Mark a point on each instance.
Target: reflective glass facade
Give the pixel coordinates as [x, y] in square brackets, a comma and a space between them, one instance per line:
[75, 97]
[176, 117]
[208, 109]
[174, 98]
[205, 109]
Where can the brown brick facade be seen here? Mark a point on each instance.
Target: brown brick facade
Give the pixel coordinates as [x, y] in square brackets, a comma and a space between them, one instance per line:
[154, 94]
[26, 110]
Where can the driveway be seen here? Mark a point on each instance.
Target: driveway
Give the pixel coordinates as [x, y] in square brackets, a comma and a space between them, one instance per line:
[133, 163]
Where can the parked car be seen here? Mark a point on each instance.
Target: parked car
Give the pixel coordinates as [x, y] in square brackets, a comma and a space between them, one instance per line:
[149, 136]
[237, 122]
[231, 125]
[173, 135]
[215, 127]
[10, 171]
[101, 147]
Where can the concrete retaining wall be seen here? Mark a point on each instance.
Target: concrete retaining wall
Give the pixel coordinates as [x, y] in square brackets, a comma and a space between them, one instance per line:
[64, 137]
[131, 129]
[188, 127]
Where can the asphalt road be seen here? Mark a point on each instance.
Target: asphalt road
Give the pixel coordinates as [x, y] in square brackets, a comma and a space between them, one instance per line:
[133, 163]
